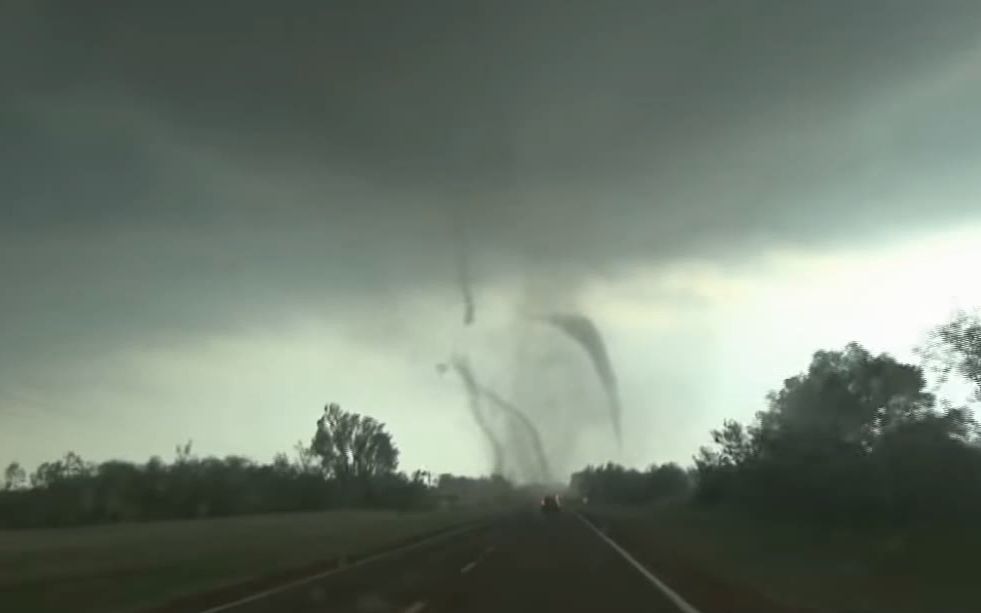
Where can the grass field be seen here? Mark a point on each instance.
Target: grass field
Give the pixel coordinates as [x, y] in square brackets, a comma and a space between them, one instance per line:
[127, 567]
[927, 569]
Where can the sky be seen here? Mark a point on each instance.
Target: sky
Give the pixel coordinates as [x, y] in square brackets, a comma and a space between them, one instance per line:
[215, 219]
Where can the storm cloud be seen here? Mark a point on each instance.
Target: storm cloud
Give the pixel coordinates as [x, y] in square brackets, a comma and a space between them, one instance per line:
[533, 117]
[186, 170]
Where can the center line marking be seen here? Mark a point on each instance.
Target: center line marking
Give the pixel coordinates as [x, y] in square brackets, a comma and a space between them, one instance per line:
[416, 607]
[469, 567]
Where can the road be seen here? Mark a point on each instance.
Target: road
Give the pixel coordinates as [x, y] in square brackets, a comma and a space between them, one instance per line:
[520, 562]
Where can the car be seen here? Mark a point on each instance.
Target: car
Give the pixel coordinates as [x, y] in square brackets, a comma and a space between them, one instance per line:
[550, 505]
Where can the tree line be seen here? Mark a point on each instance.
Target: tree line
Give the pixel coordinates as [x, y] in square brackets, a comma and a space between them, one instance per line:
[350, 462]
[612, 483]
[855, 440]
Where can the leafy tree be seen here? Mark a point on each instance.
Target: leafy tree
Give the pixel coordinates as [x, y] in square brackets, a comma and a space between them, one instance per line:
[183, 452]
[355, 470]
[14, 477]
[848, 396]
[306, 459]
[281, 465]
[616, 484]
[353, 446]
[855, 438]
[956, 347]
[929, 469]
[668, 480]
[735, 445]
[50, 473]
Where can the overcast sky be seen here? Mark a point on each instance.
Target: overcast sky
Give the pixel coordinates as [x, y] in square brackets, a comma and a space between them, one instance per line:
[217, 217]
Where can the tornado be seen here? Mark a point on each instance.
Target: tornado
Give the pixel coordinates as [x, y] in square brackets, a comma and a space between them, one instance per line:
[462, 368]
[463, 271]
[583, 331]
[527, 425]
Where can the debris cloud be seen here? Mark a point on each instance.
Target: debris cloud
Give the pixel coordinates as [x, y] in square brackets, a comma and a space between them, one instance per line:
[544, 473]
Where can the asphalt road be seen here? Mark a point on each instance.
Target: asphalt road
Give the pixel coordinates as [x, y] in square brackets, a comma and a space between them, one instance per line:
[521, 562]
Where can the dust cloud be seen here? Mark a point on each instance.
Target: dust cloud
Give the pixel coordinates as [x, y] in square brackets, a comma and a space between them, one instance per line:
[542, 472]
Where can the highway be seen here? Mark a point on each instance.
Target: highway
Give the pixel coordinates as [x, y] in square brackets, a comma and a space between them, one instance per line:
[519, 562]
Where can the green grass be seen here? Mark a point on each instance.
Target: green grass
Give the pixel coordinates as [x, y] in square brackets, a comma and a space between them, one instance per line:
[929, 568]
[125, 567]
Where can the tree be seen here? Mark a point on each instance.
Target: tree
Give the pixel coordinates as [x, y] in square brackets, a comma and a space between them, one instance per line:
[306, 459]
[931, 470]
[14, 477]
[956, 347]
[616, 484]
[668, 480]
[183, 453]
[848, 397]
[69, 491]
[353, 446]
[70, 466]
[281, 465]
[842, 441]
[735, 444]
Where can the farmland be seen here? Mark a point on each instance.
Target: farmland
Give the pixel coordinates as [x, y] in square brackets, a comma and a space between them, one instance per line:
[129, 567]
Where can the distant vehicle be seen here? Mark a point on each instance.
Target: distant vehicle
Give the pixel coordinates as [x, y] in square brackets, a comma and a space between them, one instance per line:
[550, 505]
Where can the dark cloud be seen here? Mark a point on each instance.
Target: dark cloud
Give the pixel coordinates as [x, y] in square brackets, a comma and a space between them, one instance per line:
[575, 110]
[167, 164]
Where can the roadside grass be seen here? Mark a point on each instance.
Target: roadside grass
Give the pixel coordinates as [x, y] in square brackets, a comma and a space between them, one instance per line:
[128, 567]
[929, 568]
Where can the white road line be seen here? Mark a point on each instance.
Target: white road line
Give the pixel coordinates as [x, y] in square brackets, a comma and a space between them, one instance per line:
[672, 595]
[469, 567]
[378, 556]
[416, 607]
